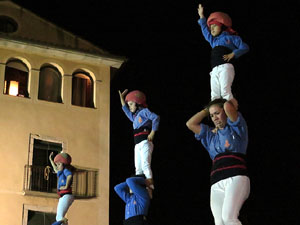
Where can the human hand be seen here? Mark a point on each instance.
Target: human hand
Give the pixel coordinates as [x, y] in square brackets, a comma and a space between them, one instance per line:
[62, 187]
[50, 156]
[205, 111]
[122, 96]
[151, 136]
[228, 57]
[201, 11]
[215, 130]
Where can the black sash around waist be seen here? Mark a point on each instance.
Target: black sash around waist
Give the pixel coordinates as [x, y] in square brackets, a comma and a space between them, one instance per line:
[227, 165]
[136, 220]
[216, 57]
[141, 134]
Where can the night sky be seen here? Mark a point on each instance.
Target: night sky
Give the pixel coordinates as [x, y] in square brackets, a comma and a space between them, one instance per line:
[168, 59]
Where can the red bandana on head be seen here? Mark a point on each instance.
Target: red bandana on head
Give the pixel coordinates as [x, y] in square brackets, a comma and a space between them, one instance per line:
[220, 18]
[215, 22]
[137, 97]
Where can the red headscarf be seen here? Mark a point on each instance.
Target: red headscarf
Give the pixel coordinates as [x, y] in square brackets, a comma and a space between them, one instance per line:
[221, 18]
[64, 158]
[137, 97]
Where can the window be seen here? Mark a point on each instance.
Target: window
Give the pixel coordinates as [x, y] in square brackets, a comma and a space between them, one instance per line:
[39, 174]
[8, 25]
[16, 79]
[82, 90]
[39, 177]
[40, 218]
[50, 84]
[38, 215]
[42, 179]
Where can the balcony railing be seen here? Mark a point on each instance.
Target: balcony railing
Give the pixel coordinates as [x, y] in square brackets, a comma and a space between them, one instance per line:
[42, 179]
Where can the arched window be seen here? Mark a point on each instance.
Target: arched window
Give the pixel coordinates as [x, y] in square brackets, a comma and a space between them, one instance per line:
[50, 84]
[8, 25]
[82, 89]
[16, 78]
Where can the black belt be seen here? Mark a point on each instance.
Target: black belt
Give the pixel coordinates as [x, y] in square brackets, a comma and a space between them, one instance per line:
[136, 220]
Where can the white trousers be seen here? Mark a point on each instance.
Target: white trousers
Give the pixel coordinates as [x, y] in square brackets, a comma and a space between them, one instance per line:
[142, 158]
[63, 205]
[221, 78]
[227, 197]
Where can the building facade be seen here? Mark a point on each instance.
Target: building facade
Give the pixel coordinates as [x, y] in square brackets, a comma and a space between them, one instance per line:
[55, 96]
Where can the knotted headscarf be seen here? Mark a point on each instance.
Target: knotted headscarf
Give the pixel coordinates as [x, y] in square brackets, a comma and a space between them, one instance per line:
[220, 18]
[64, 158]
[137, 97]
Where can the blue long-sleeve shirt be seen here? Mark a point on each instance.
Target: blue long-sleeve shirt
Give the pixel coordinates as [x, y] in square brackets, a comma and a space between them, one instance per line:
[142, 117]
[137, 202]
[233, 42]
[233, 138]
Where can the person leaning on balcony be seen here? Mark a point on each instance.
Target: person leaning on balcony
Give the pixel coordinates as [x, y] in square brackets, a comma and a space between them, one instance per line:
[136, 197]
[62, 166]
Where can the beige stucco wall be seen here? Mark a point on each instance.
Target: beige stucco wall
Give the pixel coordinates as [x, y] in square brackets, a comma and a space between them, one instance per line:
[84, 130]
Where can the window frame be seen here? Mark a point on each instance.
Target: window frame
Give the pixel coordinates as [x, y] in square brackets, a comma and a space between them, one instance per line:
[93, 81]
[26, 89]
[43, 138]
[60, 97]
[37, 208]
[8, 25]
[28, 173]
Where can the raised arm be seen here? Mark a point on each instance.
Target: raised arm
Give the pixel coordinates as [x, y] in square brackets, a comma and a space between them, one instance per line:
[122, 96]
[122, 191]
[124, 106]
[52, 162]
[200, 11]
[204, 28]
[138, 186]
[231, 110]
[194, 122]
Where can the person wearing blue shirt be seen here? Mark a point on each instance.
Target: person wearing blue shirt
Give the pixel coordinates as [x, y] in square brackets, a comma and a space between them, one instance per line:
[62, 166]
[227, 46]
[145, 125]
[226, 144]
[136, 197]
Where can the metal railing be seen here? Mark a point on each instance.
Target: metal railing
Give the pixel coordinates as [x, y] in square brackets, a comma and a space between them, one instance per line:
[42, 179]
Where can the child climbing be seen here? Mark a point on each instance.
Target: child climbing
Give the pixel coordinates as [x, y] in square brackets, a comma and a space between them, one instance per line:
[145, 124]
[62, 166]
[226, 47]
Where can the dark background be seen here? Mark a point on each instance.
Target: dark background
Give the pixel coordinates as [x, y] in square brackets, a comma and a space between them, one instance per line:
[168, 59]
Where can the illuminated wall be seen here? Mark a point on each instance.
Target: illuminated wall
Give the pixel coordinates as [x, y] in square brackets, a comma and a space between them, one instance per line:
[28, 117]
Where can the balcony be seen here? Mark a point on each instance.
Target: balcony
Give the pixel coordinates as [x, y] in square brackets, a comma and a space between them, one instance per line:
[41, 181]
